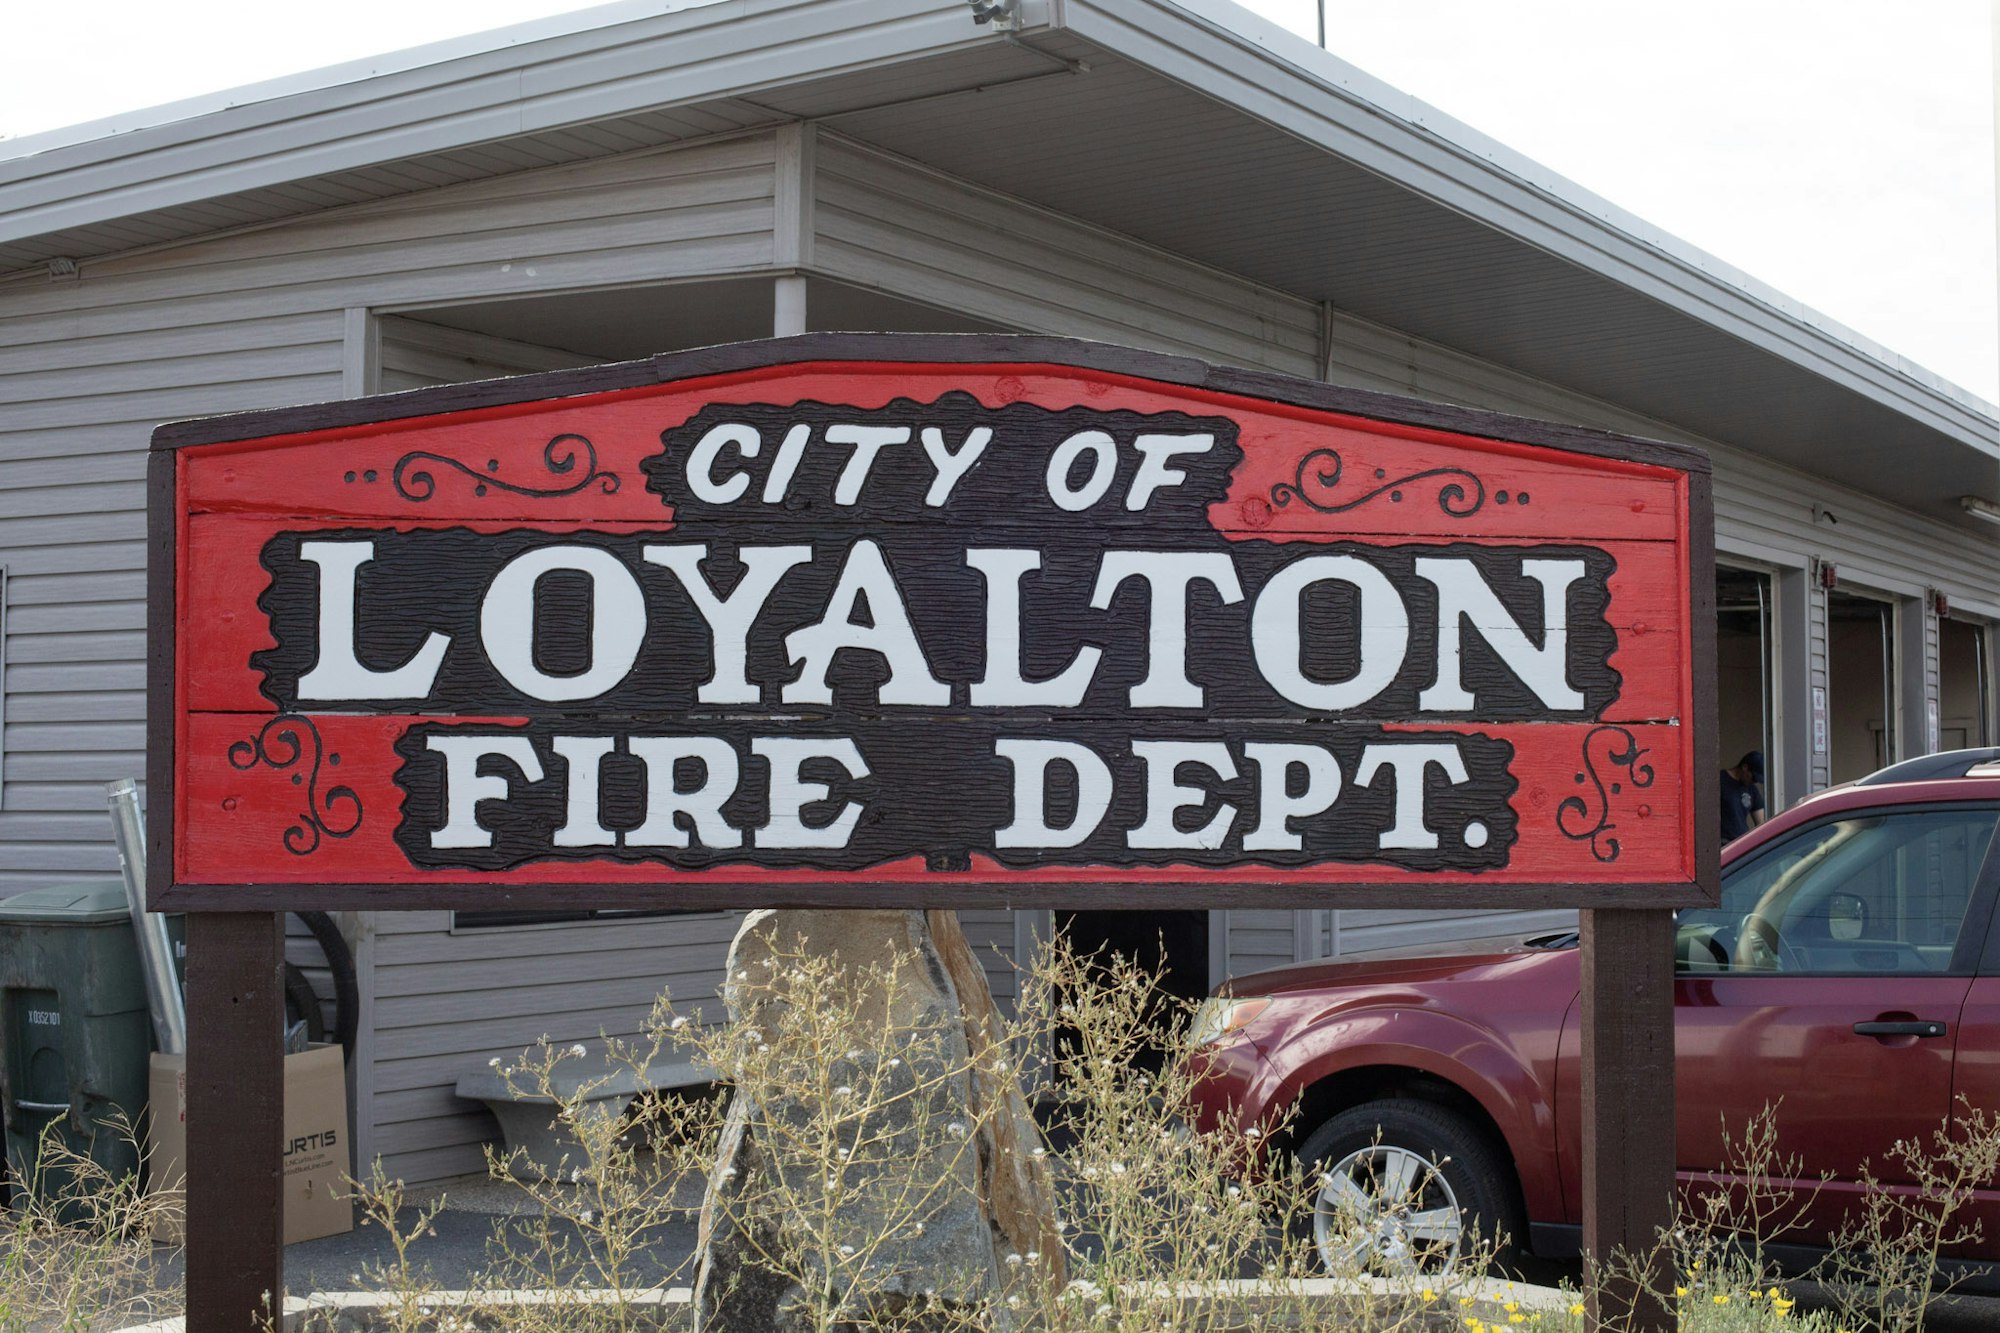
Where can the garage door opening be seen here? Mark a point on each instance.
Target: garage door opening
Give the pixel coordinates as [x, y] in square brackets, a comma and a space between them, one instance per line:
[1743, 664]
[1174, 945]
[1964, 688]
[1861, 684]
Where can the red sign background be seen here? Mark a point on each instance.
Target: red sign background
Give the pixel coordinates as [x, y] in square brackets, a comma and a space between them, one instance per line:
[1609, 809]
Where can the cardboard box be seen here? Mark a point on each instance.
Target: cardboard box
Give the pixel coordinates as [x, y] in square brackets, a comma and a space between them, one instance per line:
[316, 1153]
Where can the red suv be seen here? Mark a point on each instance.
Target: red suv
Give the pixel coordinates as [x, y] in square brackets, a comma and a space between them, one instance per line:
[1850, 977]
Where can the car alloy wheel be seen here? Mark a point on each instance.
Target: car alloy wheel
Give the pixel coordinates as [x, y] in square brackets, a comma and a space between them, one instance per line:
[1403, 1186]
[1387, 1209]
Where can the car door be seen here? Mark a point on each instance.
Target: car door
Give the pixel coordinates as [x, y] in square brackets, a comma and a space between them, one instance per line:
[1829, 985]
[1976, 1083]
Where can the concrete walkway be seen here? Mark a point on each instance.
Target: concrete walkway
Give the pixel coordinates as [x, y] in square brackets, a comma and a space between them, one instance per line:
[466, 1247]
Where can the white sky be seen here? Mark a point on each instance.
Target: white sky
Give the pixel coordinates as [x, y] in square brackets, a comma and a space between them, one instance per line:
[1838, 150]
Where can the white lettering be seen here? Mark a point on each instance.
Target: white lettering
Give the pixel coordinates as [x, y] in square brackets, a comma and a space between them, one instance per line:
[1275, 639]
[701, 462]
[730, 618]
[1464, 594]
[1276, 806]
[1165, 796]
[891, 635]
[338, 674]
[666, 802]
[1003, 685]
[1168, 574]
[951, 466]
[584, 754]
[465, 786]
[1031, 760]
[868, 441]
[786, 465]
[1064, 459]
[1153, 470]
[617, 622]
[1406, 764]
[790, 794]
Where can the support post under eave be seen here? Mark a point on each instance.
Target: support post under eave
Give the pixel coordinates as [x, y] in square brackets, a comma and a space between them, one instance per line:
[788, 306]
[1628, 1117]
[235, 1121]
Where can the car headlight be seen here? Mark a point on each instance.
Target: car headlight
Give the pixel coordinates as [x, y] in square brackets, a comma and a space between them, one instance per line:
[1223, 1016]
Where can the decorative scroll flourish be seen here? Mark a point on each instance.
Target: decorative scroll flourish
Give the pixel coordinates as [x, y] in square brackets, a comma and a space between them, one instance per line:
[290, 741]
[561, 456]
[1574, 815]
[1320, 470]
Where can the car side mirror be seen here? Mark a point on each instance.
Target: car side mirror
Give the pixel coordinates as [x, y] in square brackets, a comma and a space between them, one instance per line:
[1846, 916]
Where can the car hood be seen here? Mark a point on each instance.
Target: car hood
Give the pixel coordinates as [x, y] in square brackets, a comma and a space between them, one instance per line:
[1487, 962]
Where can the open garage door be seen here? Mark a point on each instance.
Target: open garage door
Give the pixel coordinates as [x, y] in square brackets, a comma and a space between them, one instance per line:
[1861, 683]
[1743, 663]
[1965, 714]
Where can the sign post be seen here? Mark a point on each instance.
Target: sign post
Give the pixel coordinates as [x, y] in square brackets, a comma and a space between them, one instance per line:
[897, 621]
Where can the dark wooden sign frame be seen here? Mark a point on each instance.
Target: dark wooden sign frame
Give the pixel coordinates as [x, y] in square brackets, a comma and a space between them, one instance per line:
[235, 1095]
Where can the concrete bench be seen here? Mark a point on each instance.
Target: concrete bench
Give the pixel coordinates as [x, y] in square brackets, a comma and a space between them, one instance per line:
[534, 1139]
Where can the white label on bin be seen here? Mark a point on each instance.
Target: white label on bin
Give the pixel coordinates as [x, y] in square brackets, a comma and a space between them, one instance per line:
[44, 1018]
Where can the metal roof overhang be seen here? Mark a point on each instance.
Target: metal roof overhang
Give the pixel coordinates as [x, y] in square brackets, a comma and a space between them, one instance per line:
[1195, 127]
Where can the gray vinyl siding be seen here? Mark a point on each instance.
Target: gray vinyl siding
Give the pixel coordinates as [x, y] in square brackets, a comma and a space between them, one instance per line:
[450, 1000]
[990, 932]
[416, 355]
[447, 1001]
[1817, 635]
[88, 366]
[880, 221]
[1258, 939]
[80, 391]
[1931, 690]
[1363, 932]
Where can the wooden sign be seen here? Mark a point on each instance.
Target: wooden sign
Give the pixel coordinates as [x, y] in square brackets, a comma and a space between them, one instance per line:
[874, 620]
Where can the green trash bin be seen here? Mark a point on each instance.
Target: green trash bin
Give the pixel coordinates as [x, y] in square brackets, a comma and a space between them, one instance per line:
[74, 1031]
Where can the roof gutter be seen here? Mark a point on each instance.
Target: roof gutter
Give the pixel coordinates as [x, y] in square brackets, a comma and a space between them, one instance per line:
[1287, 82]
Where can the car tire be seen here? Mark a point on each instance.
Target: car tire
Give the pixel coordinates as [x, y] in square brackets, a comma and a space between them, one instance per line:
[1402, 1186]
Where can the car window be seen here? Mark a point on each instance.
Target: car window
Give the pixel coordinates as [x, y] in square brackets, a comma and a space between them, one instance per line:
[1885, 892]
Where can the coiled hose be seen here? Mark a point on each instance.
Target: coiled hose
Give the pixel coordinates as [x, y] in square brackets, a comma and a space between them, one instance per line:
[346, 992]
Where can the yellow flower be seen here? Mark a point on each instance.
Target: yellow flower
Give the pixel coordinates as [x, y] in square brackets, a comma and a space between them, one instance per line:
[1517, 1319]
[1511, 1306]
[1680, 1291]
[1576, 1309]
[1720, 1298]
[1430, 1295]
[1782, 1306]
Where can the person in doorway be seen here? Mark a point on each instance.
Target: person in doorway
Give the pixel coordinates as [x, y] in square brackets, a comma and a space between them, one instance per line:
[1743, 796]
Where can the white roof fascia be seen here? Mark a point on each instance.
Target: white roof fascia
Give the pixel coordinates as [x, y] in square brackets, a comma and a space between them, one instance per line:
[331, 76]
[607, 62]
[1270, 73]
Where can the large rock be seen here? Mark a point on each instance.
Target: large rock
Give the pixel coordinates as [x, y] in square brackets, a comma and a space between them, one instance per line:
[767, 1234]
[1015, 1185]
